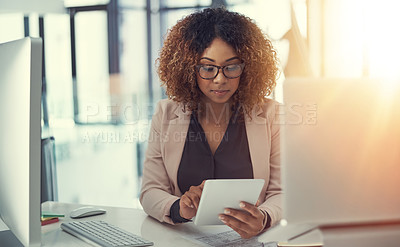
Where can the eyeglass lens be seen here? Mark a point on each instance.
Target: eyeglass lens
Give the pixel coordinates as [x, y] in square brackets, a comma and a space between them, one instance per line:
[211, 71]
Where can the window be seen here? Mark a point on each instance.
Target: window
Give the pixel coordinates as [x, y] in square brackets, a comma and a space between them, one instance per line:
[92, 74]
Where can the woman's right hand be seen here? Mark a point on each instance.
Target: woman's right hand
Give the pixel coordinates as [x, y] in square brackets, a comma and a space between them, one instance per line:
[190, 201]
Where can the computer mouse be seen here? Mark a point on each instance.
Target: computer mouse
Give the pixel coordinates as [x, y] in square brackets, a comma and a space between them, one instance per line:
[86, 212]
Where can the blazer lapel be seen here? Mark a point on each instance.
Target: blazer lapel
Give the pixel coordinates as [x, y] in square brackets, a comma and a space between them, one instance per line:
[257, 136]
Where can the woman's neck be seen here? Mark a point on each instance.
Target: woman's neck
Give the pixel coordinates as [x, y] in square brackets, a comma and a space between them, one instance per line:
[216, 113]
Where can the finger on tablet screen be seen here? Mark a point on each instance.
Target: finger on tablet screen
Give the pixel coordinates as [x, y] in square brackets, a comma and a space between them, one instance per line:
[202, 184]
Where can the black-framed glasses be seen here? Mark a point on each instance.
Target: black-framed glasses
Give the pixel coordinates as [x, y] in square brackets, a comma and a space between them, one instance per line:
[209, 71]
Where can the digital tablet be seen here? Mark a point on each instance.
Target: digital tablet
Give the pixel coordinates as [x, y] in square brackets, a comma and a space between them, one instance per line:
[219, 194]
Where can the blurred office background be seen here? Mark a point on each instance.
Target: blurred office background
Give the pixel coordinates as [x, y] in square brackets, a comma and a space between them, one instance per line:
[100, 86]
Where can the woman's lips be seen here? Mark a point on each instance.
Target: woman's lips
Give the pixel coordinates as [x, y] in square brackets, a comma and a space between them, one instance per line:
[220, 92]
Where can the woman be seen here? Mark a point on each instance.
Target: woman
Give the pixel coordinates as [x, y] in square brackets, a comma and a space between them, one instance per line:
[217, 67]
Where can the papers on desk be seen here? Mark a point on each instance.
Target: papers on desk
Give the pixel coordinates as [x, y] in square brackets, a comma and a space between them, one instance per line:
[49, 217]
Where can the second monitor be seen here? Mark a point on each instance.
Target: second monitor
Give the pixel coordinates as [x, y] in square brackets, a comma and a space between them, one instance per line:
[20, 142]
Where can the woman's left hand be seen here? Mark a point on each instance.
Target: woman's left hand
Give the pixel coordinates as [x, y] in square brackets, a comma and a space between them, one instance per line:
[248, 222]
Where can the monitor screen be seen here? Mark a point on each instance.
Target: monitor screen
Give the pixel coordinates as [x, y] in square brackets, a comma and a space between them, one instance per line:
[20, 142]
[340, 151]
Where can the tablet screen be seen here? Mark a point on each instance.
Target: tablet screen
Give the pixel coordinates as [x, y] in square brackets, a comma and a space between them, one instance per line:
[225, 193]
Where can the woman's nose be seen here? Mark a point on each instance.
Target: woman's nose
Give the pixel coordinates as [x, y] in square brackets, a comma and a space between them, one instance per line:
[220, 78]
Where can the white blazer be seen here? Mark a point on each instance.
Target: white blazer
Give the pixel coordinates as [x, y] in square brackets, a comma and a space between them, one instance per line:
[164, 152]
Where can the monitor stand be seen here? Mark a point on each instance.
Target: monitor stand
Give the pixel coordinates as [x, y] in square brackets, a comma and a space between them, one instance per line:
[372, 235]
[7, 238]
[345, 235]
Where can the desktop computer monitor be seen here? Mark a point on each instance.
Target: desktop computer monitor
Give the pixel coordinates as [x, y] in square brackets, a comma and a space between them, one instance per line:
[20, 140]
[340, 152]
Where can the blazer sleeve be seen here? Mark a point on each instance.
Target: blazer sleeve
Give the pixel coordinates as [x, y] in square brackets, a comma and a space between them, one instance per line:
[273, 197]
[156, 194]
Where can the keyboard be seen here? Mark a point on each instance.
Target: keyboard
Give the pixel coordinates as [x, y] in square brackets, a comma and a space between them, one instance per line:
[103, 234]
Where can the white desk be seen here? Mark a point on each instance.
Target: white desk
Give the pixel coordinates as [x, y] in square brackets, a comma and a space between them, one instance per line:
[162, 234]
[132, 220]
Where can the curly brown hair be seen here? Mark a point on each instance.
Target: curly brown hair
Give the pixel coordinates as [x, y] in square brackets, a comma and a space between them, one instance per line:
[186, 42]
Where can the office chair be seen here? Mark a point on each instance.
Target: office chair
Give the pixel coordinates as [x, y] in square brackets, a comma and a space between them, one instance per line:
[49, 189]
